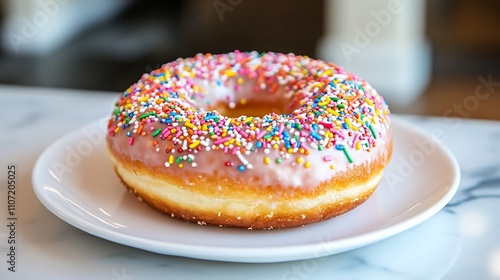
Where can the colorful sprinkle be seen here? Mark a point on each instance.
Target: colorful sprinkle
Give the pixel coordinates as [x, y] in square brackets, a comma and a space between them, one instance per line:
[156, 132]
[347, 155]
[267, 160]
[372, 131]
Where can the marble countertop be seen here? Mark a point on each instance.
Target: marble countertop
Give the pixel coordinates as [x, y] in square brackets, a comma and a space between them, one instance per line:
[462, 241]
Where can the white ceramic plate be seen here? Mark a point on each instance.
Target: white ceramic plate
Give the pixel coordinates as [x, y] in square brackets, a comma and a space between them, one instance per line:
[74, 179]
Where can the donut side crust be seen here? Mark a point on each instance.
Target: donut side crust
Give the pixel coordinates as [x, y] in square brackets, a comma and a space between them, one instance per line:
[210, 199]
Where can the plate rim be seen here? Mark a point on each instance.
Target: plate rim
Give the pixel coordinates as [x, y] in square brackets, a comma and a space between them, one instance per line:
[247, 254]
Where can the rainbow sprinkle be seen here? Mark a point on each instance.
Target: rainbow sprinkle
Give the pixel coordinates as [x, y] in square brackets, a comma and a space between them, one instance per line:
[334, 111]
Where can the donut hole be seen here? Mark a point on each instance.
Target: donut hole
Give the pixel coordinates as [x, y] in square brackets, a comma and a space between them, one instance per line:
[248, 102]
[251, 108]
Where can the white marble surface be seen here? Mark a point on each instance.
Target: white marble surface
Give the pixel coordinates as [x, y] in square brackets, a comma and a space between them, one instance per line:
[460, 242]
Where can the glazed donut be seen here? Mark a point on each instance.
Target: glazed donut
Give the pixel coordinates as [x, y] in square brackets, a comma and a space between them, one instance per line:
[248, 139]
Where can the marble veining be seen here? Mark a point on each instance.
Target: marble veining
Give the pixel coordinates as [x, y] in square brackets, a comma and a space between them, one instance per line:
[487, 188]
[460, 242]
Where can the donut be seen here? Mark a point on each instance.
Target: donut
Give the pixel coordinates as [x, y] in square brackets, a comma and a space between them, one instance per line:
[251, 140]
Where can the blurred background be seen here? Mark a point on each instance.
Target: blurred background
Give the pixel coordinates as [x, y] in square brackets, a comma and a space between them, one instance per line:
[439, 58]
